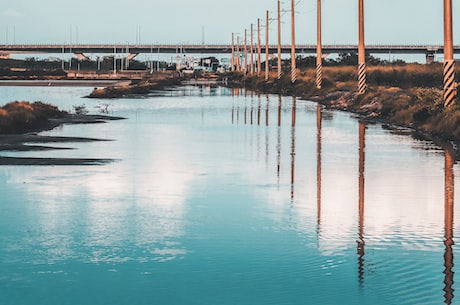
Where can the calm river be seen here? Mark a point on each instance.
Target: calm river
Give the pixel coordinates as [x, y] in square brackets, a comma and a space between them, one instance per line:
[217, 197]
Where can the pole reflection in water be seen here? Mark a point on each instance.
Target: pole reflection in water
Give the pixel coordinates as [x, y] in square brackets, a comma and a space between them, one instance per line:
[266, 112]
[238, 114]
[294, 102]
[448, 225]
[319, 121]
[267, 141]
[258, 110]
[278, 144]
[252, 110]
[245, 115]
[360, 241]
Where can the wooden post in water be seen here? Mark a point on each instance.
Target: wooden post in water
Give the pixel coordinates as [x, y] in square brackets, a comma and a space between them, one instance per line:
[293, 63]
[361, 50]
[279, 39]
[319, 55]
[266, 47]
[450, 90]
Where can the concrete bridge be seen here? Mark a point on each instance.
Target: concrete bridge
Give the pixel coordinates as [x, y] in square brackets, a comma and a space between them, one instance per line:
[133, 50]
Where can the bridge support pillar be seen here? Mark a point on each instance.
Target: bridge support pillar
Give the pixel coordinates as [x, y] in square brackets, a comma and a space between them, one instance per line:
[429, 58]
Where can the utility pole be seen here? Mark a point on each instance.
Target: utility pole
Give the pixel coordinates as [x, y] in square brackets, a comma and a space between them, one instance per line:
[319, 51]
[293, 63]
[266, 46]
[238, 53]
[279, 39]
[245, 69]
[251, 59]
[361, 50]
[450, 90]
[258, 47]
[233, 52]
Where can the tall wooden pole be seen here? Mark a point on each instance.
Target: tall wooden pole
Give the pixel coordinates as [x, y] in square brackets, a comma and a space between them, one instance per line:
[293, 63]
[450, 90]
[266, 46]
[279, 39]
[238, 66]
[233, 52]
[319, 52]
[361, 51]
[245, 69]
[258, 48]
[251, 59]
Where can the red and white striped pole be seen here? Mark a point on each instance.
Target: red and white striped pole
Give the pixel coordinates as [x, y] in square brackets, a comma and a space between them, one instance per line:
[279, 39]
[293, 63]
[450, 90]
[362, 86]
[319, 55]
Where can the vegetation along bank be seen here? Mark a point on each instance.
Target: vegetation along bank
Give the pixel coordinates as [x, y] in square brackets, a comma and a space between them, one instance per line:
[407, 95]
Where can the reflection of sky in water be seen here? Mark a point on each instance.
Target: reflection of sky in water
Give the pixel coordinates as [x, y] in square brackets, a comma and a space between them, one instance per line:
[202, 195]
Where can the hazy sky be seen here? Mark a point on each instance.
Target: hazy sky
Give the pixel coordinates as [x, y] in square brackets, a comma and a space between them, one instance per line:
[185, 21]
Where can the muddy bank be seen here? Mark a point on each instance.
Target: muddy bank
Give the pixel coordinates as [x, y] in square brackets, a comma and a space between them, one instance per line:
[20, 122]
[52, 161]
[34, 142]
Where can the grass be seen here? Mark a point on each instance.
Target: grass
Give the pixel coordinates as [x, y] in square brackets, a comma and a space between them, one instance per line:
[20, 117]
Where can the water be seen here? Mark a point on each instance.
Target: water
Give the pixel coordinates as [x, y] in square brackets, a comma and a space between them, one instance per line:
[221, 198]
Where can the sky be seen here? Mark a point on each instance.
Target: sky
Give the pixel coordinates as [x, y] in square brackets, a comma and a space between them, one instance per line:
[417, 22]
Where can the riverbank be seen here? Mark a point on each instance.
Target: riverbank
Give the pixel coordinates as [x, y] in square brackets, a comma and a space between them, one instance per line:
[20, 121]
[393, 96]
[142, 87]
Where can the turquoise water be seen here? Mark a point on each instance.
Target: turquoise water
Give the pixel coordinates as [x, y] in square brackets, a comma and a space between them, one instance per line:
[217, 197]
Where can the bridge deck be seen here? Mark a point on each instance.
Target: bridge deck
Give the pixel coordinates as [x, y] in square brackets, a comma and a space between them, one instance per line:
[215, 49]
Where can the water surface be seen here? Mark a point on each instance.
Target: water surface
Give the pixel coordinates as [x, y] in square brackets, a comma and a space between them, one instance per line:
[222, 197]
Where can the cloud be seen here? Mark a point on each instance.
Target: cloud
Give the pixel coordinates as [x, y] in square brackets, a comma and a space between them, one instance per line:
[13, 13]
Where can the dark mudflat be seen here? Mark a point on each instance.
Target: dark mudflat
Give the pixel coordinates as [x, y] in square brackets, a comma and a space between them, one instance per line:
[34, 142]
[53, 161]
